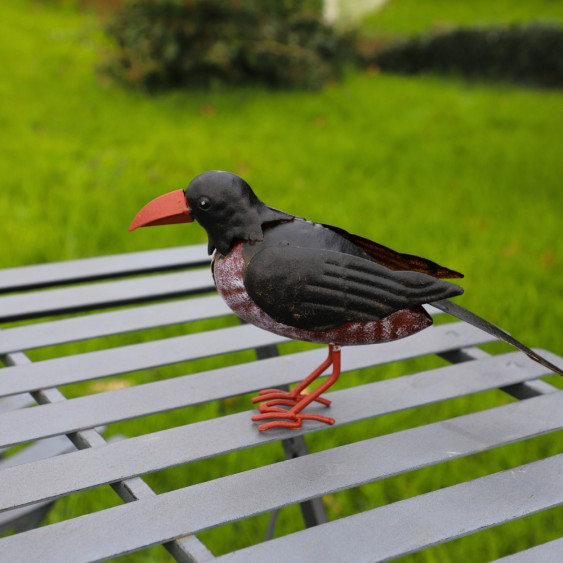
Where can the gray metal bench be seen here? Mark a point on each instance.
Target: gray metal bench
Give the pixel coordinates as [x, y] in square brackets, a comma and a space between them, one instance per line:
[82, 301]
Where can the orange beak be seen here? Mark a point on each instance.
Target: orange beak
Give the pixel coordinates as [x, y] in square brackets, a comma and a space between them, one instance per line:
[166, 209]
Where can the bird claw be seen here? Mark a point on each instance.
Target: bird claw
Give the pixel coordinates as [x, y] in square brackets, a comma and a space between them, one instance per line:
[296, 400]
[274, 396]
[288, 418]
[267, 406]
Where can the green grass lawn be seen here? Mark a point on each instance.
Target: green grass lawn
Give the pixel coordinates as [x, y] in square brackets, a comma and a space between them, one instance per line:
[466, 174]
[415, 16]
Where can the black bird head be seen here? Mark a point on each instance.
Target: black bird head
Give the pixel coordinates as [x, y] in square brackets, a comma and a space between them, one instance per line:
[221, 202]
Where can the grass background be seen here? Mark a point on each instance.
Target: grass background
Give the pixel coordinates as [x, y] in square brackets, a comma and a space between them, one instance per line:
[466, 174]
[415, 16]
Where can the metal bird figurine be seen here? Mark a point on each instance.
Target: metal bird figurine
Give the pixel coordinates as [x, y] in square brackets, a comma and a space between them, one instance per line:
[309, 281]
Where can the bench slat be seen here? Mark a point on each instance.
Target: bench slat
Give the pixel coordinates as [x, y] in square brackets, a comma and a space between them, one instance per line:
[86, 297]
[15, 402]
[400, 528]
[72, 271]
[405, 450]
[155, 519]
[407, 526]
[136, 357]
[543, 553]
[179, 392]
[43, 449]
[50, 333]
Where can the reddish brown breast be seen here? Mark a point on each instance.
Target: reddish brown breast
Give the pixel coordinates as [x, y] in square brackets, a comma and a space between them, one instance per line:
[228, 272]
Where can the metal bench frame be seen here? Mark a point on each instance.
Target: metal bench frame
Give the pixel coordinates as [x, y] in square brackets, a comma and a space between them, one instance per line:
[32, 479]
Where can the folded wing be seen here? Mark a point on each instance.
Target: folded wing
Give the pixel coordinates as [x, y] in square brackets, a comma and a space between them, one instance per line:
[396, 260]
[317, 289]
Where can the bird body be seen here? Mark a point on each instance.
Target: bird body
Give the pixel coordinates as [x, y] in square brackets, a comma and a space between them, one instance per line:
[309, 281]
[229, 276]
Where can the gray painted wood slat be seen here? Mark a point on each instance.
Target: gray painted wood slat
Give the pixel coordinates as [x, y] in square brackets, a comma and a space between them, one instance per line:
[97, 325]
[72, 271]
[179, 392]
[398, 527]
[413, 524]
[47, 479]
[104, 294]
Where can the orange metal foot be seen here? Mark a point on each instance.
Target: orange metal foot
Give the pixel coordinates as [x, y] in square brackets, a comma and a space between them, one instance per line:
[272, 399]
[288, 418]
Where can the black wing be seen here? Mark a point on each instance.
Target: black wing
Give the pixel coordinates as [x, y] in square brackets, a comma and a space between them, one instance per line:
[317, 289]
[396, 260]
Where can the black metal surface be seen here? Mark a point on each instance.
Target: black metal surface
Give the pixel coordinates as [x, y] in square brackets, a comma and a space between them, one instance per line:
[231, 211]
[318, 288]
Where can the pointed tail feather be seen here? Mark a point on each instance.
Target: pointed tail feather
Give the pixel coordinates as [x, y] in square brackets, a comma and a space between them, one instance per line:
[471, 318]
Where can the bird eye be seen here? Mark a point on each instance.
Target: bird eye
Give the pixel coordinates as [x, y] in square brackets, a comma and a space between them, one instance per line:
[204, 203]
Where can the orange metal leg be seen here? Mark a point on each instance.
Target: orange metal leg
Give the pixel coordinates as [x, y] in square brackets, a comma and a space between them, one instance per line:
[296, 399]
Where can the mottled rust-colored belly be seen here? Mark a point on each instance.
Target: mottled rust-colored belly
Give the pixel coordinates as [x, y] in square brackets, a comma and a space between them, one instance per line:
[229, 279]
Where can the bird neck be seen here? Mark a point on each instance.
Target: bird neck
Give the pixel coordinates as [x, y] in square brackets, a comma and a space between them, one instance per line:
[246, 226]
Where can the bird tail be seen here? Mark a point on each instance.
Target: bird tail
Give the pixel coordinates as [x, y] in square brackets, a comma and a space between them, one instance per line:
[471, 318]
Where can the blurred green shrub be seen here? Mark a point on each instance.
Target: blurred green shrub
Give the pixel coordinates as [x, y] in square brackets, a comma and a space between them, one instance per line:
[529, 54]
[280, 43]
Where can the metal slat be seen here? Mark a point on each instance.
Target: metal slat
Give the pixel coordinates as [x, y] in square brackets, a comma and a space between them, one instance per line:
[185, 549]
[417, 523]
[72, 271]
[135, 357]
[400, 528]
[24, 518]
[41, 449]
[85, 297]
[50, 333]
[115, 322]
[51, 478]
[218, 383]
[549, 552]
[15, 402]
[47, 479]
[159, 396]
